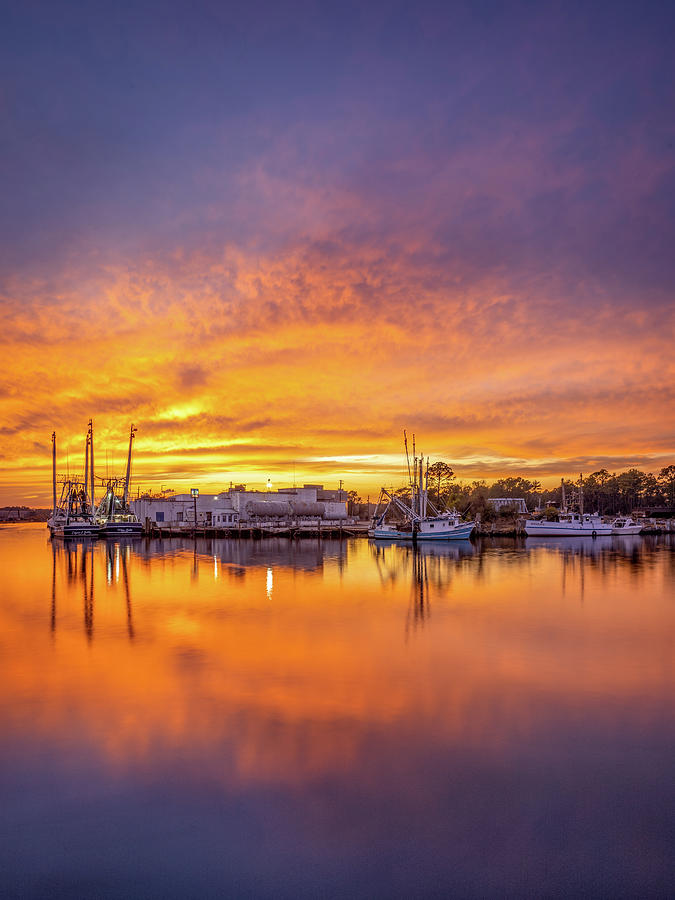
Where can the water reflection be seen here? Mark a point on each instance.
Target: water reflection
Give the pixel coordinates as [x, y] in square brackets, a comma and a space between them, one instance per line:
[301, 717]
[77, 561]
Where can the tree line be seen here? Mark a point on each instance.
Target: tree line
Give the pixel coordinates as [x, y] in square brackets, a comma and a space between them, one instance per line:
[603, 492]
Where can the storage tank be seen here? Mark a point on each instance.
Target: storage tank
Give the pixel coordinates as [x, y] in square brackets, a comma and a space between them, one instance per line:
[308, 508]
[340, 513]
[272, 509]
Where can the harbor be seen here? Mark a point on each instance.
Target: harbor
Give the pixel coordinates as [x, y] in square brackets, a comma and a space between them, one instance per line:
[313, 511]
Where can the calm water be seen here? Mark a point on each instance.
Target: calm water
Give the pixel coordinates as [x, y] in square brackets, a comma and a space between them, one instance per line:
[283, 719]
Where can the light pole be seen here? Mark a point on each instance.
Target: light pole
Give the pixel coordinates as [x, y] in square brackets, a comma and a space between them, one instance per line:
[195, 494]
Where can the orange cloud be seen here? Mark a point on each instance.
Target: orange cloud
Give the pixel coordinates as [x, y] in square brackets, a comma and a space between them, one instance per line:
[239, 366]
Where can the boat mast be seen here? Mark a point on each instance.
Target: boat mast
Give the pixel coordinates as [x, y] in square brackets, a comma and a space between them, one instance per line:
[407, 458]
[563, 505]
[414, 481]
[91, 450]
[126, 483]
[54, 472]
[581, 493]
[86, 464]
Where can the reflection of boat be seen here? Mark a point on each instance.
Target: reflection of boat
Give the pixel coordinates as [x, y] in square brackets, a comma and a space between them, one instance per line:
[456, 550]
[627, 544]
[584, 545]
[113, 514]
[569, 524]
[626, 525]
[72, 514]
[413, 519]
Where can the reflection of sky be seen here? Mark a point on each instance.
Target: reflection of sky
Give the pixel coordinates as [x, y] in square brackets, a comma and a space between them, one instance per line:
[290, 724]
[453, 210]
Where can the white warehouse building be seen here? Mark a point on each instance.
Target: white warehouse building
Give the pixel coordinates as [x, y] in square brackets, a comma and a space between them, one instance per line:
[237, 505]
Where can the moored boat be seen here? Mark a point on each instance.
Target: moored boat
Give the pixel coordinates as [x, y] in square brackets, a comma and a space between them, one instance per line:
[72, 513]
[414, 521]
[114, 515]
[626, 525]
[569, 524]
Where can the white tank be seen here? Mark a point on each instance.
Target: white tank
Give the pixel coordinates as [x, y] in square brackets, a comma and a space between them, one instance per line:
[308, 508]
[273, 509]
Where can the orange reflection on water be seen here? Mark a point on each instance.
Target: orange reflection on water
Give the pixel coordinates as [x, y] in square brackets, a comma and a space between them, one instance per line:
[272, 661]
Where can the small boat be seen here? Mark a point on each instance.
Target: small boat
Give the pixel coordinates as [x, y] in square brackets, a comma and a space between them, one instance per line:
[444, 527]
[569, 524]
[626, 525]
[413, 522]
[113, 515]
[72, 514]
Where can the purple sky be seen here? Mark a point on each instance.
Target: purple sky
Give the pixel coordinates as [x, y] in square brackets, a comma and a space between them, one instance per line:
[501, 174]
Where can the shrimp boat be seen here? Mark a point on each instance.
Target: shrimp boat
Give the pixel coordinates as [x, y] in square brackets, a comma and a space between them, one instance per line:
[72, 514]
[113, 514]
[419, 520]
[569, 524]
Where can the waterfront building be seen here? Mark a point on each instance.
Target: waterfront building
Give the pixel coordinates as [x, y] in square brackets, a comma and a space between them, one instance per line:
[309, 503]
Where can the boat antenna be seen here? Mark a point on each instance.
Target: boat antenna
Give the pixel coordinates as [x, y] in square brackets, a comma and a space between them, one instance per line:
[54, 470]
[126, 483]
[407, 458]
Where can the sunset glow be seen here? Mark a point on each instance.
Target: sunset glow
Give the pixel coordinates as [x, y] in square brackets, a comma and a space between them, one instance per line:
[273, 239]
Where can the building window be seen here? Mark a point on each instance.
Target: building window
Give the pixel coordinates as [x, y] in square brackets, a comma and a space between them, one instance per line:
[159, 517]
[179, 517]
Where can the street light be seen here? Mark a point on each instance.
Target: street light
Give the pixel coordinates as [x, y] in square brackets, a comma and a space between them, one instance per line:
[195, 494]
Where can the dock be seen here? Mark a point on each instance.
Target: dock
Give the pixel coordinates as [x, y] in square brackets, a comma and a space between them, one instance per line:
[254, 530]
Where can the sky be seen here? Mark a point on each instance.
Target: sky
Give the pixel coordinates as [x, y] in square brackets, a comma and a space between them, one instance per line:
[274, 235]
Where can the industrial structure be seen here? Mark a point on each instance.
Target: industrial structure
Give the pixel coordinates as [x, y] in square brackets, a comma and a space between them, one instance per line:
[308, 507]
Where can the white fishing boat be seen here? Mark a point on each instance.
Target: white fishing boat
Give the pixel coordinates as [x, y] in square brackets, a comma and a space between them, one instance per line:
[113, 515]
[569, 524]
[419, 520]
[72, 514]
[445, 527]
[626, 525]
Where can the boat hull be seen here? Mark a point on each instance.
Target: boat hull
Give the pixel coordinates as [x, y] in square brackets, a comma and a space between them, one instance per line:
[75, 530]
[565, 529]
[122, 529]
[454, 533]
